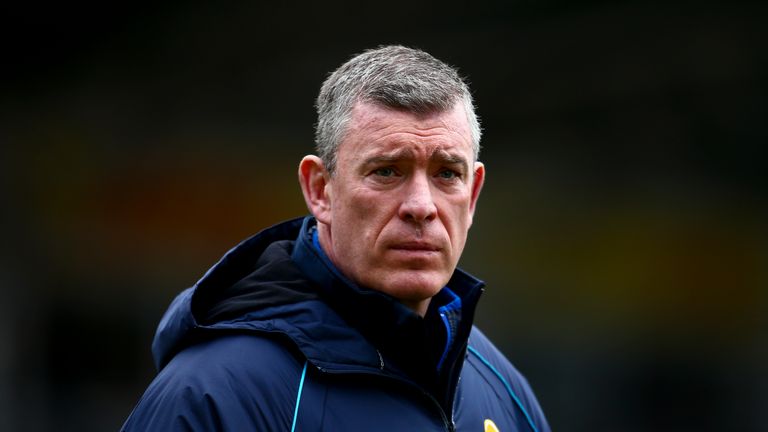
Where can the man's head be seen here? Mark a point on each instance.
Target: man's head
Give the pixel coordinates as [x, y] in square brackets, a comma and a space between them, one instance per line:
[395, 186]
[392, 76]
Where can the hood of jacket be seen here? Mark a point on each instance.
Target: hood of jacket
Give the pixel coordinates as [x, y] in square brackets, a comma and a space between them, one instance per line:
[280, 282]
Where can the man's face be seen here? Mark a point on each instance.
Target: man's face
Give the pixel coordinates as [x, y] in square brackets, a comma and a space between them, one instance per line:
[401, 200]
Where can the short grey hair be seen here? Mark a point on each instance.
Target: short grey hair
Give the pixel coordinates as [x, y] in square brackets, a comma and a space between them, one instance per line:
[394, 77]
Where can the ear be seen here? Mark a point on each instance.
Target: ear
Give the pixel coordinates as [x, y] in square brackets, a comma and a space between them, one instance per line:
[314, 180]
[478, 178]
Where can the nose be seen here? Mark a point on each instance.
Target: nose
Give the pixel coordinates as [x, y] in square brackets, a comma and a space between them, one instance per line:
[417, 204]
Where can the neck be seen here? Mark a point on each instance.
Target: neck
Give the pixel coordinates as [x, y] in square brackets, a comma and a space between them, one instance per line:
[418, 306]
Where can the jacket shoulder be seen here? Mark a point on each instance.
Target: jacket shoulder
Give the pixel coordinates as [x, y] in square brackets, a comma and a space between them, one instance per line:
[508, 382]
[231, 382]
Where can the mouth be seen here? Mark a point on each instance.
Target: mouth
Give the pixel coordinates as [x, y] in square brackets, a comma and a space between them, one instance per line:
[416, 247]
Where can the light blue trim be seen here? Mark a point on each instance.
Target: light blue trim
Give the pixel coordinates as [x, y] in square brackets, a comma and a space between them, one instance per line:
[454, 304]
[448, 340]
[298, 397]
[506, 385]
[316, 240]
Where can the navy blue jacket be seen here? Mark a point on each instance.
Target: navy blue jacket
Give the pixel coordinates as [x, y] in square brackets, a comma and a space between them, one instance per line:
[274, 338]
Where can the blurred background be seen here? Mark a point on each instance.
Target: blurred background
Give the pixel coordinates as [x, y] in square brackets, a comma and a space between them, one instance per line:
[623, 229]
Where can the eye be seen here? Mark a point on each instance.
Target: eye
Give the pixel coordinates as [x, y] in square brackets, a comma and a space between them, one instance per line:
[384, 172]
[448, 174]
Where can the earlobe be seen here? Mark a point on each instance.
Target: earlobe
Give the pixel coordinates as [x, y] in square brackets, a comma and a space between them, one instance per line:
[315, 187]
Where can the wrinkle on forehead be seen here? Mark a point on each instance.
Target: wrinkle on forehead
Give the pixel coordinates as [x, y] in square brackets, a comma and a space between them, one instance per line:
[374, 119]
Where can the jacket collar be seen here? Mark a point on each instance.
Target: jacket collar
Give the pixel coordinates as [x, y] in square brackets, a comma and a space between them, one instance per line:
[417, 346]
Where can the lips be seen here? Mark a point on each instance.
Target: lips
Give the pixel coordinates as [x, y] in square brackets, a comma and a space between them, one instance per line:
[415, 246]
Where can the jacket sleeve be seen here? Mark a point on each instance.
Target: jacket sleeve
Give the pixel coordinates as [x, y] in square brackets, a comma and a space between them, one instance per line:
[232, 383]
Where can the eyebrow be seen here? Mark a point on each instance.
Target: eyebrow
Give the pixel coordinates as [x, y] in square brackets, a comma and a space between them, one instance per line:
[388, 158]
[447, 158]
[438, 155]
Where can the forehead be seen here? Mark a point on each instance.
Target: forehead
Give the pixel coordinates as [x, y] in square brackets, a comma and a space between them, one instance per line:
[376, 129]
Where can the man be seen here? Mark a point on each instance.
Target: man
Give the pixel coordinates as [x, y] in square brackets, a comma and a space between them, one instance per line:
[356, 318]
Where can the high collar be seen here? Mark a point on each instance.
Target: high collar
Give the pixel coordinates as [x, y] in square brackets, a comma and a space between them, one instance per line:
[419, 346]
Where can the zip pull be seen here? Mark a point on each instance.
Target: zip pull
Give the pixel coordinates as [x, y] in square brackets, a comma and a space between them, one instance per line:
[381, 360]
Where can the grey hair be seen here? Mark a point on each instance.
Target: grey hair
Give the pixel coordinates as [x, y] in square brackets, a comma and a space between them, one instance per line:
[394, 77]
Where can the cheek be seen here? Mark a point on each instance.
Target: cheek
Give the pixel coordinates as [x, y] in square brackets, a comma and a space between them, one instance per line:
[457, 212]
[369, 208]
[361, 216]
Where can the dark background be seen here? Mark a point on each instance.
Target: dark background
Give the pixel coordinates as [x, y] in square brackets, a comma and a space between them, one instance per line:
[622, 230]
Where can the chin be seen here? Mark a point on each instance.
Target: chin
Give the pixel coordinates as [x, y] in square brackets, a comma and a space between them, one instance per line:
[410, 287]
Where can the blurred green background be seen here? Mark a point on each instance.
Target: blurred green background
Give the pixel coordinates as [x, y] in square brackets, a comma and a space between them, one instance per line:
[622, 230]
